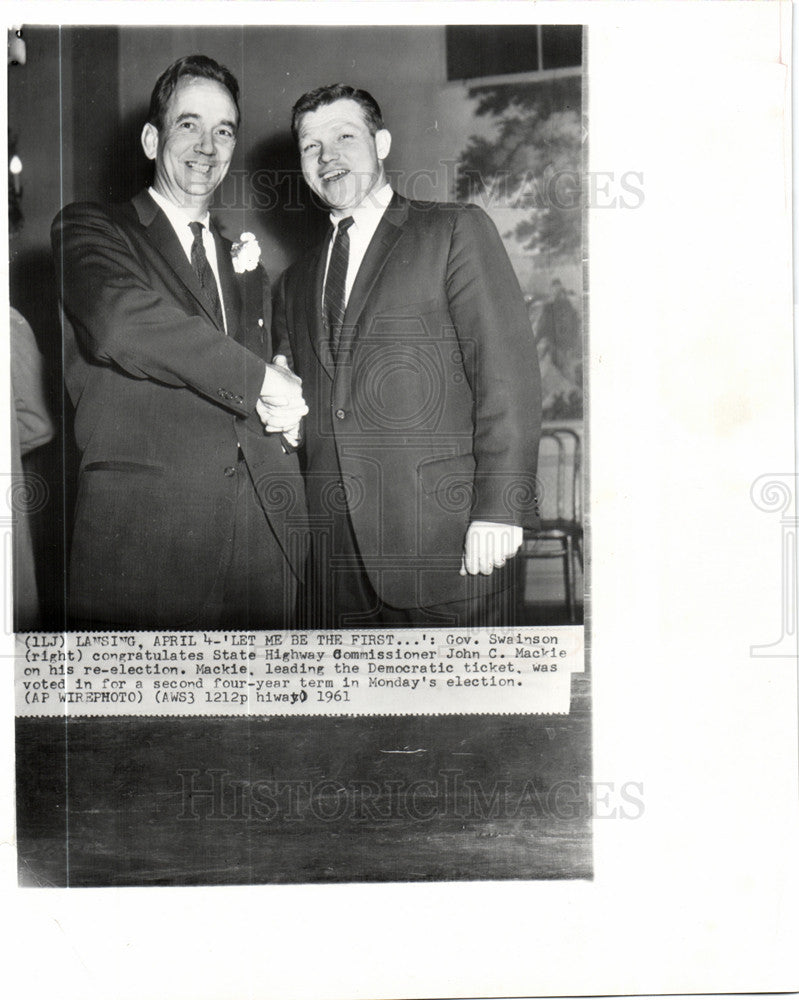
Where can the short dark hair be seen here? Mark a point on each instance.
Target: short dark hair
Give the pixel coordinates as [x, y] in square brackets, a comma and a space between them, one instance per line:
[322, 96]
[192, 66]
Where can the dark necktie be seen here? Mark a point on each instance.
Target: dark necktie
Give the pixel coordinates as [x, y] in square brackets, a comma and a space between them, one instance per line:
[335, 286]
[205, 275]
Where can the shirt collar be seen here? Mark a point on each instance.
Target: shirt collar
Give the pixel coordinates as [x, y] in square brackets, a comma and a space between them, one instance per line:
[370, 209]
[179, 217]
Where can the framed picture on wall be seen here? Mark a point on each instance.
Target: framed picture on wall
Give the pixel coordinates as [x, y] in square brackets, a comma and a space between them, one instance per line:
[513, 112]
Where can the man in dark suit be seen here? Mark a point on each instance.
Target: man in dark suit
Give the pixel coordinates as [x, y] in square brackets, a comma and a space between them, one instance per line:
[190, 507]
[409, 330]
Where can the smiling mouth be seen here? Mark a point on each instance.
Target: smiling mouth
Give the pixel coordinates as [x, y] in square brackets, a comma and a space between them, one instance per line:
[203, 168]
[334, 175]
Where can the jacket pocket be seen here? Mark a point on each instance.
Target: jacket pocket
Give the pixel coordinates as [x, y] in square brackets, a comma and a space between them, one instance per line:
[406, 309]
[455, 473]
[121, 466]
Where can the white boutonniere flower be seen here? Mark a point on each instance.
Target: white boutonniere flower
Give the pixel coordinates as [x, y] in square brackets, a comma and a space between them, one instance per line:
[246, 252]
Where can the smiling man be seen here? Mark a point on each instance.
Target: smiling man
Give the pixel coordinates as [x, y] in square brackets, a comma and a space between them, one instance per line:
[179, 411]
[409, 330]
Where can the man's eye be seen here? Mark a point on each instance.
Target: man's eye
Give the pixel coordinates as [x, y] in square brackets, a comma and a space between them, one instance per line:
[309, 147]
[345, 135]
[226, 133]
[187, 125]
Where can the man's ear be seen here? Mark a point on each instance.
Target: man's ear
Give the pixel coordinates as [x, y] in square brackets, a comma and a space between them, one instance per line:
[149, 140]
[382, 143]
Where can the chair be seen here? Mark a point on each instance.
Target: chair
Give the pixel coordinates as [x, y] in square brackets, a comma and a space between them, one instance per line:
[560, 500]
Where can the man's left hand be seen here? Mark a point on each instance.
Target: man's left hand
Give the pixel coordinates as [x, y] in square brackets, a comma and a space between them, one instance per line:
[488, 546]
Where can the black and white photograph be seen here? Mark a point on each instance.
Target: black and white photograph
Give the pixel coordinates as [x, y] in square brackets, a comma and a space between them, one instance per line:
[397, 477]
[399, 526]
[310, 356]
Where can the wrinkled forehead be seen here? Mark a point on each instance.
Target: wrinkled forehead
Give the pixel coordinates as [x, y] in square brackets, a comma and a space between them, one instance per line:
[332, 116]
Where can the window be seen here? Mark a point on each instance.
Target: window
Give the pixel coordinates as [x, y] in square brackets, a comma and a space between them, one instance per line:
[477, 50]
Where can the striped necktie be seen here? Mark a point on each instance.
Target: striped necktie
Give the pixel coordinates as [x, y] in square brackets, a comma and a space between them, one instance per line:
[335, 287]
[205, 275]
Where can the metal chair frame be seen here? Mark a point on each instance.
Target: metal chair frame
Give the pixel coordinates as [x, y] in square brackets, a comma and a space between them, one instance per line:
[566, 527]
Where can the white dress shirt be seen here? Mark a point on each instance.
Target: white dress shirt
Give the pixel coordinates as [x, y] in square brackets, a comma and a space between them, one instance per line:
[179, 220]
[365, 220]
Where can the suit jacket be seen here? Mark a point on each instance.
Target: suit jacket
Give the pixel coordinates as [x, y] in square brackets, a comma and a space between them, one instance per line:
[429, 417]
[163, 399]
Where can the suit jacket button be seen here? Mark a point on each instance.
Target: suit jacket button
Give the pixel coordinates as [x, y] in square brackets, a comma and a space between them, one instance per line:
[340, 414]
[260, 322]
[230, 471]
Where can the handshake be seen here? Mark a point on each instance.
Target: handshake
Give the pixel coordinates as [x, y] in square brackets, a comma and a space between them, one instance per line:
[280, 405]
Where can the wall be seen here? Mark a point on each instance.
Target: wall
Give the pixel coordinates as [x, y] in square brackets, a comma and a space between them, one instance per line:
[63, 109]
[39, 114]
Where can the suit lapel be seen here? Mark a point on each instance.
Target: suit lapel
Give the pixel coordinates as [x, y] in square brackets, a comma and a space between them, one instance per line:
[314, 309]
[377, 254]
[163, 238]
[382, 243]
[231, 293]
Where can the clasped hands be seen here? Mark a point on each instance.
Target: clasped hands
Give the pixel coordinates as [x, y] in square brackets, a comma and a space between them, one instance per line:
[281, 405]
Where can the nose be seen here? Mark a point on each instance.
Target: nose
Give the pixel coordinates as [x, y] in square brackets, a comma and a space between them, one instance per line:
[205, 142]
[326, 153]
